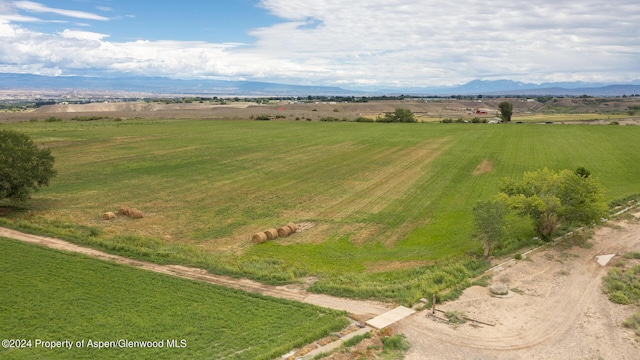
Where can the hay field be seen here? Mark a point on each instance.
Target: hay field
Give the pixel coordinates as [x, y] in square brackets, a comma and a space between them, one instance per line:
[89, 299]
[387, 200]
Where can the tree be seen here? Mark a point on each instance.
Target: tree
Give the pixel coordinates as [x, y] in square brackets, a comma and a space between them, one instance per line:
[489, 221]
[23, 167]
[506, 110]
[581, 171]
[399, 115]
[551, 198]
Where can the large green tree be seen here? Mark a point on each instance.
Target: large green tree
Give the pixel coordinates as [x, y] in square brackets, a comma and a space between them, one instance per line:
[399, 115]
[552, 198]
[23, 167]
[489, 221]
[506, 110]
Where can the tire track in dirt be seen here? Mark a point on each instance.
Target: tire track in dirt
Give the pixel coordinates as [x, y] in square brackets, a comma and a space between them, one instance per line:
[558, 312]
[360, 308]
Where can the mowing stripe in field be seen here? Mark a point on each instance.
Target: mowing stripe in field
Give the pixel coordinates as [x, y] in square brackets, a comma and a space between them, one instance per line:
[55, 296]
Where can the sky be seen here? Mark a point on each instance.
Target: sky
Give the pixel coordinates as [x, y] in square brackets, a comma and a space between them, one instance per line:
[369, 44]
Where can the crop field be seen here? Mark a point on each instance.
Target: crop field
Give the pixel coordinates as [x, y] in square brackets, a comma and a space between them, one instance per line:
[390, 203]
[49, 295]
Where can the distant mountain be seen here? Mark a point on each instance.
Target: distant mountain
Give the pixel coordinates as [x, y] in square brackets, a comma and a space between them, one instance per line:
[163, 85]
[508, 87]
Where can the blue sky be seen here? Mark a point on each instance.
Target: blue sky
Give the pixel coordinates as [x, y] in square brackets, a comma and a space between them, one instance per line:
[357, 44]
[215, 21]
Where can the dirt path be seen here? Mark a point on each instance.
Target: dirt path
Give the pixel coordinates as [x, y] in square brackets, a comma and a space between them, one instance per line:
[363, 309]
[557, 312]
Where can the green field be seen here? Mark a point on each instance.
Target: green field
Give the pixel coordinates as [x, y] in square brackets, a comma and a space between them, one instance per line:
[49, 295]
[391, 203]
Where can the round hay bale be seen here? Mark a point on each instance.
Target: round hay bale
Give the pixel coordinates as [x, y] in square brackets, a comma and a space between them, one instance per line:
[108, 215]
[135, 214]
[293, 227]
[271, 234]
[284, 231]
[124, 211]
[259, 237]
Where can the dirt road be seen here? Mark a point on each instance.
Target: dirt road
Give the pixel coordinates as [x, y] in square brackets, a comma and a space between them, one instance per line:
[363, 309]
[557, 311]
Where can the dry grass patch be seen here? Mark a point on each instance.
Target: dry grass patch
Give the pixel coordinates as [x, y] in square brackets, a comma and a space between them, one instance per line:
[484, 167]
[384, 266]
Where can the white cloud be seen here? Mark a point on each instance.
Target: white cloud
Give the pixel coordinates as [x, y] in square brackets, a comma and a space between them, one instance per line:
[82, 35]
[378, 43]
[40, 8]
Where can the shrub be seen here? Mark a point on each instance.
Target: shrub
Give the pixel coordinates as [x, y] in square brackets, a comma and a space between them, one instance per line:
[619, 298]
[455, 317]
[632, 255]
[263, 117]
[475, 120]
[356, 339]
[364, 119]
[395, 342]
[447, 121]
[614, 123]
[53, 119]
[633, 322]
[329, 119]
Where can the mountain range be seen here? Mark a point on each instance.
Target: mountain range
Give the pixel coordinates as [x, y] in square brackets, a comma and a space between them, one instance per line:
[164, 85]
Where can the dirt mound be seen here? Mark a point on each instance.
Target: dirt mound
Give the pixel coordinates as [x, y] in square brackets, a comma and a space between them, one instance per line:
[119, 107]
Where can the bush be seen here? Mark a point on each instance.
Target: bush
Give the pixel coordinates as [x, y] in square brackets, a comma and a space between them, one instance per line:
[53, 119]
[356, 339]
[263, 117]
[455, 317]
[395, 342]
[329, 119]
[364, 119]
[633, 322]
[619, 298]
[614, 123]
[447, 121]
[475, 120]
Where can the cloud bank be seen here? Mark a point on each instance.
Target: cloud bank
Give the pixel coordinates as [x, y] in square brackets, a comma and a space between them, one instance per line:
[383, 43]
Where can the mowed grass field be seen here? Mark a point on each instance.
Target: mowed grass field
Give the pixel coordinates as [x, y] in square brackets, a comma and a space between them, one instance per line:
[49, 295]
[391, 203]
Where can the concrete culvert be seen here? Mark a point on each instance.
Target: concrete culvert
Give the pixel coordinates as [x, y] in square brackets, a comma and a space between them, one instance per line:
[499, 289]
